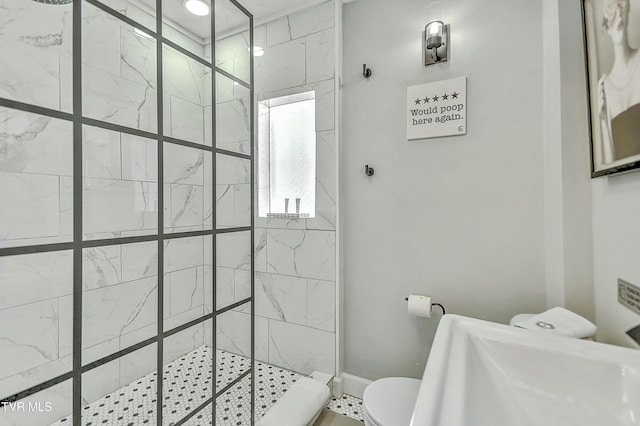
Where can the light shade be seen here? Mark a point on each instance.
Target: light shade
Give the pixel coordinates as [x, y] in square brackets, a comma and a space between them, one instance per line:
[435, 46]
[197, 7]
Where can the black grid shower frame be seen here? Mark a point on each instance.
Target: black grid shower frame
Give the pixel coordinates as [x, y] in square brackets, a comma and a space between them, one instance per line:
[78, 244]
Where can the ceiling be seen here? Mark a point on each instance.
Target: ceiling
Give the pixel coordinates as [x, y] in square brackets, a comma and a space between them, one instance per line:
[228, 17]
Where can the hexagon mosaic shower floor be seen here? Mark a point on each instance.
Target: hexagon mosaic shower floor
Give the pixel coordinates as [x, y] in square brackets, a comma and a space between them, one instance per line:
[135, 404]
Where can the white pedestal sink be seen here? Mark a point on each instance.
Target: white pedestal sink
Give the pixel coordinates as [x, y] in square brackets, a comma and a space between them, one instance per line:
[481, 373]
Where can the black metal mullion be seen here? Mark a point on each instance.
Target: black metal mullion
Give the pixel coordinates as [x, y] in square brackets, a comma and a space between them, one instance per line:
[9, 103]
[77, 213]
[39, 387]
[214, 216]
[232, 153]
[253, 214]
[44, 248]
[188, 144]
[160, 148]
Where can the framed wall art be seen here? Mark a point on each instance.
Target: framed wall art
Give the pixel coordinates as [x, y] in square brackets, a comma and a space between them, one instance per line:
[612, 36]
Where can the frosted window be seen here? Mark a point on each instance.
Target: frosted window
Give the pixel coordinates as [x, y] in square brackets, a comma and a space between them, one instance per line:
[287, 168]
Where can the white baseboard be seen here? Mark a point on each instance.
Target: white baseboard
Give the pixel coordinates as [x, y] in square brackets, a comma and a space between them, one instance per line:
[353, 385]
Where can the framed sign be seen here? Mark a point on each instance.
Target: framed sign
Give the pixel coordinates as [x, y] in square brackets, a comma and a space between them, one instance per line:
[612, 35]
[437, 109]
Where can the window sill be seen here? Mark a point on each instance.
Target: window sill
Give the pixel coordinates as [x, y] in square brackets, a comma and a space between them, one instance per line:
[288, 215]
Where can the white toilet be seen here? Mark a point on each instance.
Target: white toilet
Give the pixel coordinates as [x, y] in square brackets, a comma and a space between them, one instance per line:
[390, 401]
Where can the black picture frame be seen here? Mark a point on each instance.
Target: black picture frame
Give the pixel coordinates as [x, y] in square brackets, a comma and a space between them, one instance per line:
[614, 151]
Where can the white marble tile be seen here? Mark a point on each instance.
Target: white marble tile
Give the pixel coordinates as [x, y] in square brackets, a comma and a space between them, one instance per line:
[32, 338]
[320, 56]
[242, 68]
[233, 332]
[233, 205]
[185, 289]
[208, 93]
[101, 40]
[208, 250]
[29, 208]
[312, 20]
[133, 9]
[118, 100]
[278, 31]
[325, 105]
[114, 206]
[281, 297]
[66, 205]
[65, 325]
[182, 253]
[34, 277]
[139, 260]
[183, 165]
[242, 288]
[186, 206]
[232, 170]
[139, 158]
[100, 381]
[35, 43]
[309, 254]
[137, 57]
[325, 218]
[260, 36]
[100, 350]
[224, 88]
[301, 349]
[262, 339]
[224, 206]
[138, 364]
[225, 287]
[115, 310]
[232, 47]
[178, 32]
[31, 143]
[208, 131]
[101, 266]
[260, 249]
[234, 250]
[280, 67]
[321, 304]
[185, 120]
[233, 121]
[60, 397]
[183, 77]
[183, 342]
[101, 156]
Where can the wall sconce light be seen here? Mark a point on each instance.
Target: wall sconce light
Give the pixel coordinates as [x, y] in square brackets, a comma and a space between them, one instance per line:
[435, 43]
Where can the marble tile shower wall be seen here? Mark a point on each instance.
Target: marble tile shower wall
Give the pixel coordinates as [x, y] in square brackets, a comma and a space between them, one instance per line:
[120, 186]
[295, 259]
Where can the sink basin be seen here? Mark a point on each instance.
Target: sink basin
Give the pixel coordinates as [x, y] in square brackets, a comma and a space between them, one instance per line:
[481, 373]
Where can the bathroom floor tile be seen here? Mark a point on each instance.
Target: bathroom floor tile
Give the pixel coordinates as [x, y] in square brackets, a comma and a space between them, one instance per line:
[135, 403]
[349, 406]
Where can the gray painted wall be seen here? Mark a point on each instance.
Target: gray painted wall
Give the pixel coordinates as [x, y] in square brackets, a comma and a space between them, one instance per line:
[460, 218]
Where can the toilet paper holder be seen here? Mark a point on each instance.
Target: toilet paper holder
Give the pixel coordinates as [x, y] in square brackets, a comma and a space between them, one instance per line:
[406, 299]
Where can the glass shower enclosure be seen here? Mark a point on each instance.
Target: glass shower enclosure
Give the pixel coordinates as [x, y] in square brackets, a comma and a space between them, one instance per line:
[126, 225]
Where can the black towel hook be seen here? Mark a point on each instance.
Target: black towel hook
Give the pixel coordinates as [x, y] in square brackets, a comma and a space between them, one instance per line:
[366, 72]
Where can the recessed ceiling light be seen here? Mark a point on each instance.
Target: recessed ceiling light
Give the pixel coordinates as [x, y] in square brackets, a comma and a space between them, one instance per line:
[197, 7]
[258, 51]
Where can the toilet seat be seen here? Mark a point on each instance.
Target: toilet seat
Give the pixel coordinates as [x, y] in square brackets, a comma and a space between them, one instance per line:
[390, 401]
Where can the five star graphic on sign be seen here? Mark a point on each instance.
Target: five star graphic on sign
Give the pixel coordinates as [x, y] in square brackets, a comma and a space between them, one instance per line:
[436, 98]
